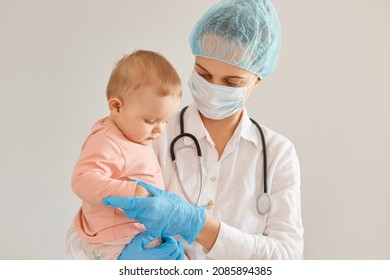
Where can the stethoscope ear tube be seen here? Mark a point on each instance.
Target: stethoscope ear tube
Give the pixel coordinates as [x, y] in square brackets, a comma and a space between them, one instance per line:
[172, 147]
[182, 135]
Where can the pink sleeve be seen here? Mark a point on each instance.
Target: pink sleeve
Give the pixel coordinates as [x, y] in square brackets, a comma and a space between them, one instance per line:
[101, 160]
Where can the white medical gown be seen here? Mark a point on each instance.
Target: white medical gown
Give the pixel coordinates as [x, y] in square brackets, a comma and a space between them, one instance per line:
[234, 183]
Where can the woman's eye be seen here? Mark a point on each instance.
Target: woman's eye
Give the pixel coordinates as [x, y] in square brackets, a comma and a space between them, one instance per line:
[205, 76]
[232, 83]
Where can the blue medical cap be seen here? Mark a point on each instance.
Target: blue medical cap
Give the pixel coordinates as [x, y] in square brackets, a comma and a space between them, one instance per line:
[244, 33]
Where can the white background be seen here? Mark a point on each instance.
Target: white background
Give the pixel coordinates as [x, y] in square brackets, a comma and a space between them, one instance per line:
[330, 94]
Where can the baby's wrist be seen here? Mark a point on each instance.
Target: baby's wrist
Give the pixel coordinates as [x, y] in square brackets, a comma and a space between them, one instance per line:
[141, 191]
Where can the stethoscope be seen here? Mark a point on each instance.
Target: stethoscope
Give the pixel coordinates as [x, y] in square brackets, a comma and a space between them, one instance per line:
[264, 201]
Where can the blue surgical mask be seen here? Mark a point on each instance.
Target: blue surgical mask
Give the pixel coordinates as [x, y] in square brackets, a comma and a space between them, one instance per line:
[214, 101]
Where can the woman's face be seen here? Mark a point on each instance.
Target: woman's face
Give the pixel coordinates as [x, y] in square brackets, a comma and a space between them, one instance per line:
[221, 73]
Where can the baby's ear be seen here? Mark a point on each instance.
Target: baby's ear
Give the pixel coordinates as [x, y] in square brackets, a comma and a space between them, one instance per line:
[115, 105]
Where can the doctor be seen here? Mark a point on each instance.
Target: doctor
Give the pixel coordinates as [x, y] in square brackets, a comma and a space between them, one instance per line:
[217, 206]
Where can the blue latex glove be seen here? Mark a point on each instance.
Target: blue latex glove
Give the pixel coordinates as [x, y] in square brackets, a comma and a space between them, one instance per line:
[163, 214]
[170, 249]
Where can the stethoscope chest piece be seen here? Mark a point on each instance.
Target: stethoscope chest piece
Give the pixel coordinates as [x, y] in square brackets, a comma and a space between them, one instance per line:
[264, 204]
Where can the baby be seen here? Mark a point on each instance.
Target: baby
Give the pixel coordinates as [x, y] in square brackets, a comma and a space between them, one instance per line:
[144, 90]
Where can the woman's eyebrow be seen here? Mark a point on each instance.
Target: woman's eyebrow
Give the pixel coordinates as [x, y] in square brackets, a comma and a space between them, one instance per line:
[201, 67]
[228, 77]
[235, 77]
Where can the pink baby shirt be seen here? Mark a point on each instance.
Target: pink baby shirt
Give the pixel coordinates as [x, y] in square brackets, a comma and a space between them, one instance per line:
[107, 163]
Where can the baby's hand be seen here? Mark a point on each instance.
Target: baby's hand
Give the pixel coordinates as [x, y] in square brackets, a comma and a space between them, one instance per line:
[141, 191]
[154, 243]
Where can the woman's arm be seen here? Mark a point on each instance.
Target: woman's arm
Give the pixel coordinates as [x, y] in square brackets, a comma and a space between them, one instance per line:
[167, 214]
[282, 238]
[208, 235]
[283, 233]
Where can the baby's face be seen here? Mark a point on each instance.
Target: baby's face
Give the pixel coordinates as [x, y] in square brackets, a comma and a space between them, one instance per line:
[144, 115]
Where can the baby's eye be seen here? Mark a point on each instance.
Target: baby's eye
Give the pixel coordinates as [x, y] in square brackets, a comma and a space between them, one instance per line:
[149, 121]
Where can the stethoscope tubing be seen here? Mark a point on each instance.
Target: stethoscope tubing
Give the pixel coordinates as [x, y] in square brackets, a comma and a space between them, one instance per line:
[264, 155]
[263, 207]
[183, 134]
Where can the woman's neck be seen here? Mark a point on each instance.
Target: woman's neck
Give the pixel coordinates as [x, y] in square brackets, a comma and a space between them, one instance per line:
[221, 130]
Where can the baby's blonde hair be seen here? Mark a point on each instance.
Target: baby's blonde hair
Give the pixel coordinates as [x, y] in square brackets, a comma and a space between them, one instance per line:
[143, 68]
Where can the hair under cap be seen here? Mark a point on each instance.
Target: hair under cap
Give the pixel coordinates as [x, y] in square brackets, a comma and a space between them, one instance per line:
[244, 33]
